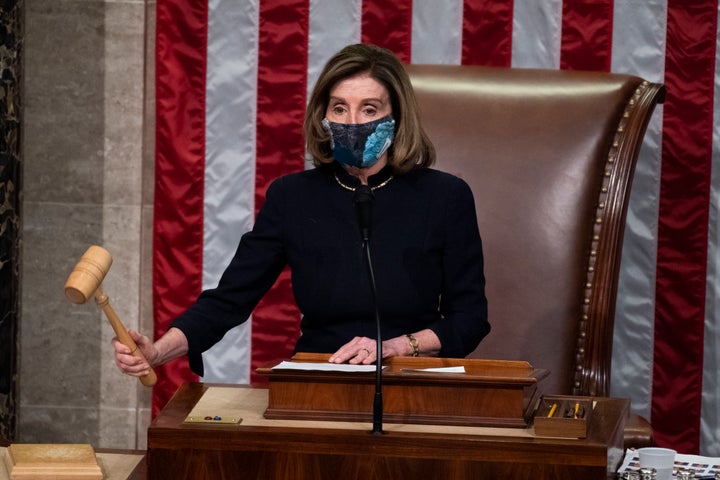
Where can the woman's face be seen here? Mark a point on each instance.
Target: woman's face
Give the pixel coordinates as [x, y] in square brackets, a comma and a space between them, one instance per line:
[358, 99]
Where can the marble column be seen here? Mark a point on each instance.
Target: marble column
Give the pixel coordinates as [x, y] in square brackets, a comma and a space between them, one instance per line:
[10, 187]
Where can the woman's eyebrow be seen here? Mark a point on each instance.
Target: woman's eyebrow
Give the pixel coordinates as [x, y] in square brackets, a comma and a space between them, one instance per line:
[364, 100]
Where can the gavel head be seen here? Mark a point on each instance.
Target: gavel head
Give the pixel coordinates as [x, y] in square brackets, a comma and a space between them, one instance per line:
[88, 274]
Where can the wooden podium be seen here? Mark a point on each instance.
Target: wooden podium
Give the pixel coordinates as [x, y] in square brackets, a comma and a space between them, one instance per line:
[489, 393]
[265, 448]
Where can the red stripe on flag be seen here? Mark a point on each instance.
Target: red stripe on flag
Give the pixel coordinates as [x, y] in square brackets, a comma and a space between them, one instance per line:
[390, 28]
[487, 32]
[179, 172]
[683, 223]
[586, 41]
[281, 92]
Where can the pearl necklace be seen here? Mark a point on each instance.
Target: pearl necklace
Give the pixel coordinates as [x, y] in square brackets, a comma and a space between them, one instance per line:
[352, 189]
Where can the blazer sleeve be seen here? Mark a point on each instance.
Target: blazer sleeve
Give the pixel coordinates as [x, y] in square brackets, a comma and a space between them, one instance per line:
[258, 261]
[463, 304]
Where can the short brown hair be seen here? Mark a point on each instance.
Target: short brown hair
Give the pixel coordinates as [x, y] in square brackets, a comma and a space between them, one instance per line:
[411, 148]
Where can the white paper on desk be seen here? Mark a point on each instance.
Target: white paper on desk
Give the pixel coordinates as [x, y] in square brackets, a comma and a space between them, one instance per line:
[459, 369]
[325, 367]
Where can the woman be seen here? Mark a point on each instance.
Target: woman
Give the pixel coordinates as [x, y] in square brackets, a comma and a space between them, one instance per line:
[362, 127]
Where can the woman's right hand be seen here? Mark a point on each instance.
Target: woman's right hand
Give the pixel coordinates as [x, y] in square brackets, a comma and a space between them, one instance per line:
[128, 363]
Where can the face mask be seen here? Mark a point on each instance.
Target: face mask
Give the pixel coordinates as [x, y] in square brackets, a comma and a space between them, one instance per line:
[361, 144]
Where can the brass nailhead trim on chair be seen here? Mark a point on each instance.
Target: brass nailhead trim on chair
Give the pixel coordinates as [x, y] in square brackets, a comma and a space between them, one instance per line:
[600, 210]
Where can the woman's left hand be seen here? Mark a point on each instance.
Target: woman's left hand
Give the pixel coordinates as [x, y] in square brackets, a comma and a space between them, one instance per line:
[362, 350]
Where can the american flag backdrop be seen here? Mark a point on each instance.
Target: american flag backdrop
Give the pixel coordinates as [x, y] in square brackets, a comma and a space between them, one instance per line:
[233, 77]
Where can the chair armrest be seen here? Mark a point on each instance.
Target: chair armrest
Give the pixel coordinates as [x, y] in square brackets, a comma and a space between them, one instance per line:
[638, 432]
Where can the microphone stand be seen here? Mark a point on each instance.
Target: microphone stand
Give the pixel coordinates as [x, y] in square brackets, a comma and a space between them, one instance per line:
[377, 401]
[363, 200]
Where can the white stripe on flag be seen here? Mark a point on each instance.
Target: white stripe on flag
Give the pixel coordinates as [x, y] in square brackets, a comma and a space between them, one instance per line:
[333, 24]
[437, 32]
[639, 49]
[710, 419]
[229, 164]
[537, 27]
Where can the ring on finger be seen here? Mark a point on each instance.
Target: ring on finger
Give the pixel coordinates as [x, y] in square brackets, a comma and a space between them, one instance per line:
[366, 351]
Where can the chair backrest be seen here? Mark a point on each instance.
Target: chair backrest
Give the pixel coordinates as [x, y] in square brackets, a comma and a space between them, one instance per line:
[550, 157]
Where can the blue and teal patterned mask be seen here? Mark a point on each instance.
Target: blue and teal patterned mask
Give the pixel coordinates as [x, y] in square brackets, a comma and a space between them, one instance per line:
[360, 144]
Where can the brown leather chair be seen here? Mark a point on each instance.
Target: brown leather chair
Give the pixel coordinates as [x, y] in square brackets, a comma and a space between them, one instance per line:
[550, 157]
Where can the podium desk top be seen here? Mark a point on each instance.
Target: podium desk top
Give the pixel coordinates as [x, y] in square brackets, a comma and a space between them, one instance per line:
[249, 404]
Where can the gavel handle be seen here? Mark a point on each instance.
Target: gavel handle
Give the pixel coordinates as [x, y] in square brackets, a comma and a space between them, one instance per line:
[122, 334]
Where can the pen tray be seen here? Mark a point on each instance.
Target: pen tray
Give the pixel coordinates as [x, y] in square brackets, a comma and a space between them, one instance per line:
[563, 416]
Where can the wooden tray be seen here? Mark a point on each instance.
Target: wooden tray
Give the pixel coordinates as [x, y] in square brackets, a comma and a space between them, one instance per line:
[563, 416]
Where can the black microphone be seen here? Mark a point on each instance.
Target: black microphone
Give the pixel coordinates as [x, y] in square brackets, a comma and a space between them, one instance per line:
[364, 199]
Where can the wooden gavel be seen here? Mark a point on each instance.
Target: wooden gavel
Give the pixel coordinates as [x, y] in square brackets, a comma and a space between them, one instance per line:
[84, 281]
